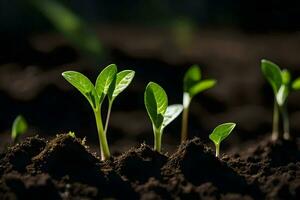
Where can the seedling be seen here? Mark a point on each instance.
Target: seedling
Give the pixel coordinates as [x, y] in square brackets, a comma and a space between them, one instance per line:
[72, 134]
[192, 85]
[280, 81]
[220, 133]
[19, 127]
[109, 83]
[156, 102]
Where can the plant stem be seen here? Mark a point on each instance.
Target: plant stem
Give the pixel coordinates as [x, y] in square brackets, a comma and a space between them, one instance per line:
[105, 154]
[286, 124]
[217, 150]
[275, 133]
[184, 126]
[157, 139]
[108, 116]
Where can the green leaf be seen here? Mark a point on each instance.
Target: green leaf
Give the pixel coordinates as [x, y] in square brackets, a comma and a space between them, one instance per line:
[171, 113]
[272, 73]
[191, 77]
[156, 102]
[296, 84]
[72, 134]
[282, 95]
[221, 132]
[201, 86]
[83, 84]
[106, 81]
[123, 79]
[19, 127]
[286, 77]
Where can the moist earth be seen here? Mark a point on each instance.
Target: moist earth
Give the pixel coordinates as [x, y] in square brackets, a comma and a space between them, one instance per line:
[65, 168]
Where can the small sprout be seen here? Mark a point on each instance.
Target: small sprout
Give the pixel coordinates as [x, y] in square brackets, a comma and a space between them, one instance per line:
[220, 133]
[280, 81]
[72, 134]
[192, 85]
[109, 83]
[156, 102]
[19, 127]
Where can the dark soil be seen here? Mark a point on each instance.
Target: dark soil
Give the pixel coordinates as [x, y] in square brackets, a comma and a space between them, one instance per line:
[64, 168]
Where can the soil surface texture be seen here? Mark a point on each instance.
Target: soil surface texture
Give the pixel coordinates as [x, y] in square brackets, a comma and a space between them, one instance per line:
[65, 168]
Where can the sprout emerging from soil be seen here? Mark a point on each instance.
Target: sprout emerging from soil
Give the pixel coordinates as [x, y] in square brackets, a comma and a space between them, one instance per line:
[109, 83]
[280, 81]
[19, 127]
[156, 102]
[220, 133]
[192, 85]
[72, 134]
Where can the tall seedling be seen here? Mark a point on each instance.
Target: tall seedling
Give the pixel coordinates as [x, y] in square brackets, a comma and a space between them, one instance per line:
[156, 103]
[109, 83]
[192, 85]
[280, 81]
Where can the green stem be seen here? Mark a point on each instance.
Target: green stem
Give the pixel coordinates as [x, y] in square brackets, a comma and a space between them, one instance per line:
[275, 131]
[105, 154]
[217, 150]
[184, 126]
[108, 116]
[286, 124]
[157, 139]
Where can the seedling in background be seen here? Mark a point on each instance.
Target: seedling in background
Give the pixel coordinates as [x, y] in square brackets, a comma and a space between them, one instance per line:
[219, 134]
[280, 81]
[109, 83]
[19, 127]
[156, 102]
[72, 134]
[192, 85]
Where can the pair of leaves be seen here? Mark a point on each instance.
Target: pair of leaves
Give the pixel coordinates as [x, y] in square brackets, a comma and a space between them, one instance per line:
[109, 83]
[221, 132]
[156, 102]
[280, 80]
[19, 127]
[193, 85]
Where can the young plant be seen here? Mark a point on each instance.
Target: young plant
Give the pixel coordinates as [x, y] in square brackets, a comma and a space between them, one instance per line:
[109, 83]
[220, 133]
[280, 81]
[19, 127]
[156, 102]
[192, 85]
[72, 134]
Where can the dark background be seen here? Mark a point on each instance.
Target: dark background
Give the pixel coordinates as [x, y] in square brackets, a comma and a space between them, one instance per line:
[159, 40]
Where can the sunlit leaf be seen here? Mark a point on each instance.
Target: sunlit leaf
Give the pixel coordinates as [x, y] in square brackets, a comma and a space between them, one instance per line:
[201, 86]
[19, 127]
[296, 84]
[83, 84]
[172, 113]
[282, 94]
[123, 80]
[286, 77]
[156, 102]
[106, 81]
[272, 73]
[221, 132]
[191, 77]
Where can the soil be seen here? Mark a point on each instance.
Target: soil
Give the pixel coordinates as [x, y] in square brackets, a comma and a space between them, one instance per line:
[65, 168]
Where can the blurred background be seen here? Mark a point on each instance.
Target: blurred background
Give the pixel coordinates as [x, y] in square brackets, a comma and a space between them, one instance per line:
[159, 39]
